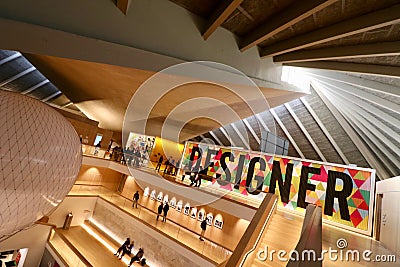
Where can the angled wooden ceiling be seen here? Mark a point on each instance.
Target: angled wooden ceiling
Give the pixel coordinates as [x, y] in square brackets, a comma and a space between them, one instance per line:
[347, 35]
[102, 92]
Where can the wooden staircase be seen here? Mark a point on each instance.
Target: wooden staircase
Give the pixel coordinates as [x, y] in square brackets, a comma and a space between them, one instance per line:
[283, 233]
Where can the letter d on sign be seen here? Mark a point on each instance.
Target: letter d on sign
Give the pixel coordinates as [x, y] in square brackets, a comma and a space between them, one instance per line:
[262, 254]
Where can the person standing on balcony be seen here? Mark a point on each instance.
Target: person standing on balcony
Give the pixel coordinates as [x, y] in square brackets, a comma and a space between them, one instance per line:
[172, 167]
[160, 210]
[177, 163]
[167, 162]
[159, 163]
[165, 209]
[96, 150]
[135, 199]
[110, 145]
[203, 226]
[137, 156]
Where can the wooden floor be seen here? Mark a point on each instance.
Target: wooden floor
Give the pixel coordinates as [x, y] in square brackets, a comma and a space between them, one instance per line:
[97, 253]
[283, 233]
[330, 235]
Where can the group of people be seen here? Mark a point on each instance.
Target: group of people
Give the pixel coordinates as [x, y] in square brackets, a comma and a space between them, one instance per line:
[163, 209]
[171, 167]
[133, 157]
[195, 177]
[126, 248]
[117, 154]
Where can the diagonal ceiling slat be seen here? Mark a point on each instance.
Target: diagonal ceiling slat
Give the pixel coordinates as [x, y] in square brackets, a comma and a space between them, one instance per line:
[334, 53]
[384, 70]
[282, 21]
[370, 21]
[220, 15]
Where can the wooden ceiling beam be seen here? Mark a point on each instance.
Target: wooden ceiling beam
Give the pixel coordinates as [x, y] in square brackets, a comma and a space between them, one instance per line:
[367, 22]
[282, 21]
[341, 52]
[384, 70]
[123, 5]
[220, 14]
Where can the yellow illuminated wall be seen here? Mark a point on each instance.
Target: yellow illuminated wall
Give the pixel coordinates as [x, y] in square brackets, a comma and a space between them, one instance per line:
[163, 146]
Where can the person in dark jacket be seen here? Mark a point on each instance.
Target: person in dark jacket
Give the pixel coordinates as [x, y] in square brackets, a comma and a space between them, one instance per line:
[199, 176]
[178, 162]
[138, 155]
[127, 250]
[203, 226]
[165, 209]
[159, 163]
[160, 210]
[171, 170]
[120, 249]
[137, 257]
[167, 163]
[135, 199]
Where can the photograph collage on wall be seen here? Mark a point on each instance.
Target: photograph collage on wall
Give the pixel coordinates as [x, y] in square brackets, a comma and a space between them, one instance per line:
[141, 146]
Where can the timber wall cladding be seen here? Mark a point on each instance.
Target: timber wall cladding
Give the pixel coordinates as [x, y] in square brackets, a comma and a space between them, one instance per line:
[89, 130]
[99, 176]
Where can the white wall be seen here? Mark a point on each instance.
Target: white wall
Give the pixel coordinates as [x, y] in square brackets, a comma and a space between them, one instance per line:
[81, 208]
[390, 219]
[34, 239]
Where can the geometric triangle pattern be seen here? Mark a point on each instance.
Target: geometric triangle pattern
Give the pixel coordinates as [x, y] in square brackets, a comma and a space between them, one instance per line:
[40, 157]
[358, 202]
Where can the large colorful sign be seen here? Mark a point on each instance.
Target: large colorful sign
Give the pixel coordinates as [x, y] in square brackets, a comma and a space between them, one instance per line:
[344, 193]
